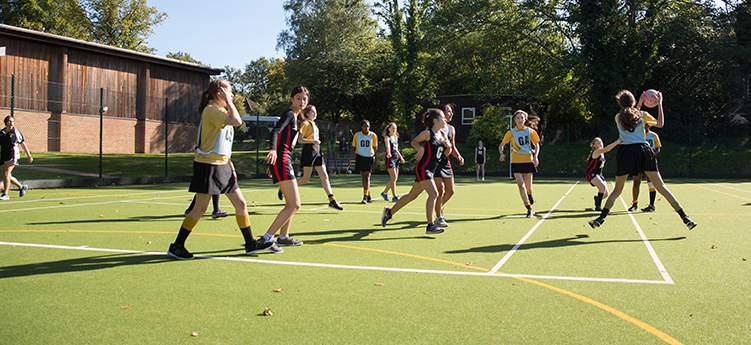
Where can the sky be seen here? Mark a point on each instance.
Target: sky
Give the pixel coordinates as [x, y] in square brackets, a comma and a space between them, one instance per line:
[220, 32]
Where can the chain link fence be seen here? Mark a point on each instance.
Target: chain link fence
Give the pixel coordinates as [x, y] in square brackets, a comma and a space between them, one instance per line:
[88, 135]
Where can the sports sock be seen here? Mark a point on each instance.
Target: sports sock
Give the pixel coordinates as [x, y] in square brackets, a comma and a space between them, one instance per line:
[652, 195]
[635, 202]
[604, 213]
[182, 236]
[527, 204]
[188, 225]
[243, 222]
[331, 197]
[598, 199]
[366, 193]
[215, 199]
[682, 213]
[531, 199]
[267, 237]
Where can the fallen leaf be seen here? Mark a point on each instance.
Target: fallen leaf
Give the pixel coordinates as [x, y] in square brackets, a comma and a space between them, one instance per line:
[744, 259]
[278, 290]
[268, 311]
[101, 216]
[469, 263]
[714, 247]
[125, 307]
[194, 334]
[148, 242]
[379, 284]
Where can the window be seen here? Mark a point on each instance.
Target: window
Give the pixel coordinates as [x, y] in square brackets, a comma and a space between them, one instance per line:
[468, 116]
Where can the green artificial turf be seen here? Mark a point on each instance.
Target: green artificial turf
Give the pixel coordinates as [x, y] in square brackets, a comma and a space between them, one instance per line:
[354, 281]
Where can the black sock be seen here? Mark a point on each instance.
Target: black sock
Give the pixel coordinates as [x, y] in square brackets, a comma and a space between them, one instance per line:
[681, 213]
[652, 196]
[182, 236]
[429, 225]
[215, 199]
[604, 213]
[598, 199]
[248, 235]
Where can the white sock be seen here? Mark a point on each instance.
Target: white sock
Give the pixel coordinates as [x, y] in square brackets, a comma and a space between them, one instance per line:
[267, 237]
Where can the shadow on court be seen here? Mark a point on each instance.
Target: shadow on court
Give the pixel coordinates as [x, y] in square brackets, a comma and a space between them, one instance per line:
[562, 242]
[361, 235]
[171, 217]
[81, 264]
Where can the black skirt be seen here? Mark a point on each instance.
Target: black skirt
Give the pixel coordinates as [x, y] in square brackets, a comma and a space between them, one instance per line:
[212, 179]
[634, 159]
[523, 168]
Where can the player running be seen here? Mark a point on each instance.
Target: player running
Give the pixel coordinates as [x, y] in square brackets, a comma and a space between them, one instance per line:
[311, 153]
[431, 145]
[444, 175]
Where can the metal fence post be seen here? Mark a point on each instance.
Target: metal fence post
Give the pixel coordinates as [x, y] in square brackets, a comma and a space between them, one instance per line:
[568, 147]
[166, 137]
[258, 140]
[12, 93]
[101, 127]
[690, 148]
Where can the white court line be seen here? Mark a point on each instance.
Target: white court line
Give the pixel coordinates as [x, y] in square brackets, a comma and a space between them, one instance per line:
[367, 268]
[719, 185]
[651, 250]
[524, 239]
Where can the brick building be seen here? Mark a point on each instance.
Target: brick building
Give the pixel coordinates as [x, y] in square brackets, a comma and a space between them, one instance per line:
[59, 85]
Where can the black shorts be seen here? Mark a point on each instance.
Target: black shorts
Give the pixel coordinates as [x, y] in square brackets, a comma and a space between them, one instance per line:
[423, 175]
[523, 168]
[212, 179]
[10, 156]
[282, 170]
[444, 170]
[391, 163]
[311, 156]
[363, 164]
[634, 159]
[592, 176]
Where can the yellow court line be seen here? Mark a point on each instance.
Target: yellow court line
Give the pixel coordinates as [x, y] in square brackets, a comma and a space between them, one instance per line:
[668, 339]
[728, 194]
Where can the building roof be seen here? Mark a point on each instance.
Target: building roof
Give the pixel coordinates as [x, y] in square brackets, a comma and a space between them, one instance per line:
[42, 37]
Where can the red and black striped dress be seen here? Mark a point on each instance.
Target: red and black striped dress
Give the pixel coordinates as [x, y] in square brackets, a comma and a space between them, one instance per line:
[428, 163]
[283, 140]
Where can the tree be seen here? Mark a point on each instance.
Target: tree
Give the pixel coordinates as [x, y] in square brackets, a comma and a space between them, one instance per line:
[333, 49]
[124, 24]
[411, 86]
[59, 17]
[182, 56]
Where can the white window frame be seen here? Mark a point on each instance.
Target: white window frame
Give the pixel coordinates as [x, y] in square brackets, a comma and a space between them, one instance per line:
[468, 120]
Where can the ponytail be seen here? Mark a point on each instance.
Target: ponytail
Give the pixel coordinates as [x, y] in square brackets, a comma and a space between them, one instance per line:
[210, 93]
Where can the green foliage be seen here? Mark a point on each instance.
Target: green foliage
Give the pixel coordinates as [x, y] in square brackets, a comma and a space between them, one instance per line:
[490, 127]
[59, 17]
[332, 48]
[119, 23]
[182, 56]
